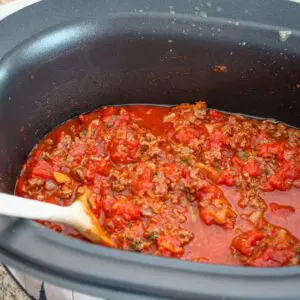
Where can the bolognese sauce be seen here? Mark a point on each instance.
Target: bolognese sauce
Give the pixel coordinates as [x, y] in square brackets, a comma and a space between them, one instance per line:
[186, 182]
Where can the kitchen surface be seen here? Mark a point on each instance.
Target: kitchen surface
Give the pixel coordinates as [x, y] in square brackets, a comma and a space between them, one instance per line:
[9, 290]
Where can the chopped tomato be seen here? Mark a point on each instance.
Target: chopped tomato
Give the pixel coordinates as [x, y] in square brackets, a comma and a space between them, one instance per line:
[126, 209]
[272, 149]
[186, 174]
[236, 162]
[171, 244]
[281, 210]
[210, 192]
[272, 257]
[100, 166]
[42, 169]
[223, 216]
[214, 208]
[246, 242]
[283, 179]
[226, 178]
[171, 171]
[217, 138]
[252, 168]
[144, 180]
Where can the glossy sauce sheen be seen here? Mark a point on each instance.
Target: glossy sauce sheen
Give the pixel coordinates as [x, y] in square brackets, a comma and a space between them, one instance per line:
[184, 182]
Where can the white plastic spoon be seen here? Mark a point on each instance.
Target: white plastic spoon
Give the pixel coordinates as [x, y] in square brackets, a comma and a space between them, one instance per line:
[78, 215]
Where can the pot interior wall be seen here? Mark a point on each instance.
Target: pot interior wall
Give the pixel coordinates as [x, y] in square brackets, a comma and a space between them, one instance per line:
[78, 67]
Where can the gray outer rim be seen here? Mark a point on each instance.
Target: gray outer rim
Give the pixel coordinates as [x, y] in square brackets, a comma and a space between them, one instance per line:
[165, 278]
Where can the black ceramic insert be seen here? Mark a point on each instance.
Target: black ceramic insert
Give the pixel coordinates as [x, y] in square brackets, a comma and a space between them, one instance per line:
[69, 57]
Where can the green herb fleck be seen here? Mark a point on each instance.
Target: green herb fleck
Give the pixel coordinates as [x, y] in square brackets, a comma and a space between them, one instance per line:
[152, 236]
[218, 170]
[185, 160]
[243, 155]
[136, 245]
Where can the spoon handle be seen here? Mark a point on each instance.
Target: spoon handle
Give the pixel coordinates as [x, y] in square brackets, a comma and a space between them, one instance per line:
[77, 216]
[15, 206]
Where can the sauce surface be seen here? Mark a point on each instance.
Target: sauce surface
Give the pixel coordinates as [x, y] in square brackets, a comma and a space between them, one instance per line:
[185, 182]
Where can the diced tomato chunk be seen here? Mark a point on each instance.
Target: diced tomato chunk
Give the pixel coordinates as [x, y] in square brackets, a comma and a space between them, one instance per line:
[223, 217]
[186, 174]
[210, 192]
[272, 257]
[226, 178]
[42, 169]
[254, 237]
[236, 162]
[242, 245]
[171, 244]
[272, 149]
[281, 210]
[291, 170]
[126, 209]
[144, 181]
[252, 168]
[92, 168]
[283, 179]
[217, 139]
[206, 215]
[171, 171]
[278, 182]
[245, 242]
[267, 187]
[214, 207]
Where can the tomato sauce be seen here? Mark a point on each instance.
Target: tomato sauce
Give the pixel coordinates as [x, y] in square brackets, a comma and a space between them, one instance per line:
[185, 182]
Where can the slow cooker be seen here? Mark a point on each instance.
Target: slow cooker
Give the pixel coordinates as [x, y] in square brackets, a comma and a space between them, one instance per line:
[62, 58]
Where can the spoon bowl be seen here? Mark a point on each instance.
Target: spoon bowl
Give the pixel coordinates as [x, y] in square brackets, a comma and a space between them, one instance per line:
[78, 215]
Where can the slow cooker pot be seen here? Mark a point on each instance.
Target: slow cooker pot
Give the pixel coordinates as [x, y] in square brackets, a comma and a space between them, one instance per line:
[62, 58]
